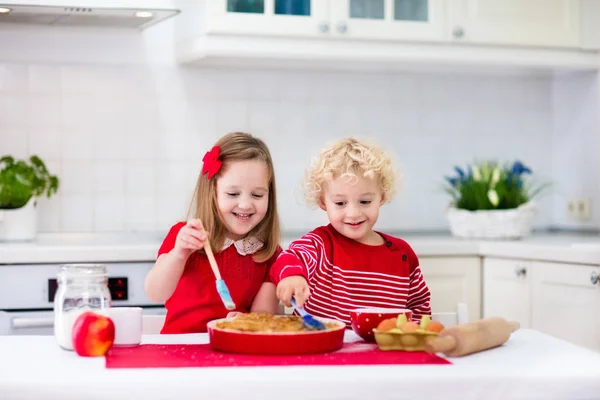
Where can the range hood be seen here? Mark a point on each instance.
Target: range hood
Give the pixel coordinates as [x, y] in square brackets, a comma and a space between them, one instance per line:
[134, 14]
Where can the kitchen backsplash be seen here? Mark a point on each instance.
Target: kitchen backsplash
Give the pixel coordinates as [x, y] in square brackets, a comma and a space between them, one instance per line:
[127, 140]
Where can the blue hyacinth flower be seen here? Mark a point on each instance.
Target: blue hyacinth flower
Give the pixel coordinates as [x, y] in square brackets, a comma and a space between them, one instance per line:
[460, 172]
[519, 168]
[452, 181]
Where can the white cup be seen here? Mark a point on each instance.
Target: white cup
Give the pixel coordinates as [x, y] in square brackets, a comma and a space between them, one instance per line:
[128, 325]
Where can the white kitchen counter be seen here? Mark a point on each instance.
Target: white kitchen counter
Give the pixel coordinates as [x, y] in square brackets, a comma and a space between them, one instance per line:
[529, 366]
[82, 247]
[65, 248]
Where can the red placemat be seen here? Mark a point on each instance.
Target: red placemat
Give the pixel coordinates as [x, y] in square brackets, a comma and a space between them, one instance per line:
[201, 355]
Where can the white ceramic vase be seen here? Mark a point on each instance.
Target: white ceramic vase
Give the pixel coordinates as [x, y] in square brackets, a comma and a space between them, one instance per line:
[513, 223]
[19, 224]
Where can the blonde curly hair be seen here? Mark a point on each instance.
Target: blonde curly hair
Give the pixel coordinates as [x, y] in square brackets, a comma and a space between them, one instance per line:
[350, 158]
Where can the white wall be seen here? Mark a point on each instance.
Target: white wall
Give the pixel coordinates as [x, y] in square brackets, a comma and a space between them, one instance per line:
[576, 146]
[125, 128]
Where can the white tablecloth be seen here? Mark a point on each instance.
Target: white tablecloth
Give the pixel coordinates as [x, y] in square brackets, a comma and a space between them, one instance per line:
[530, 365]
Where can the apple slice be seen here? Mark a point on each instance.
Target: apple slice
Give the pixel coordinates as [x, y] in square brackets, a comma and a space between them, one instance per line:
[401, 321]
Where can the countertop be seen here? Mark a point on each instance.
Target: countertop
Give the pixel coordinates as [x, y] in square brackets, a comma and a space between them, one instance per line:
[531, 365]
[126, 247]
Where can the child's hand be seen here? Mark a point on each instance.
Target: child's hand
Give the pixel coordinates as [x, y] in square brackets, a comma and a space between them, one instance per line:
[293, 286]
[234, 314]
[190, 238]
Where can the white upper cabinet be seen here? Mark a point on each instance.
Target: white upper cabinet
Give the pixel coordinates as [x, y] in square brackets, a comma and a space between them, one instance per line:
[550, 23]
[268, 17]
[350, 34]
[410, 20]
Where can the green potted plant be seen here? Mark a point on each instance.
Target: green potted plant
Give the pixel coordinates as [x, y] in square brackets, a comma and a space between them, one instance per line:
[21, 183]
[491, 201]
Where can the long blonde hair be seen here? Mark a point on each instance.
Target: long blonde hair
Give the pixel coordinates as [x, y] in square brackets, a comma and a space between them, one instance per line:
[237, 146]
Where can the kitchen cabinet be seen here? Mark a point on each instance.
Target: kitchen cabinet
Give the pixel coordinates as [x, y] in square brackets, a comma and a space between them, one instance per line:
[453, 280]
[360, 19]
[565, 302]
[509, 22]
[286, 18]
[507, 289]
[552, 23]
[390, 34]
[406, 20]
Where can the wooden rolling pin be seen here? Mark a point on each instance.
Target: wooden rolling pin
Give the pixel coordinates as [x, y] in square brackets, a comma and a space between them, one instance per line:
[460, 340]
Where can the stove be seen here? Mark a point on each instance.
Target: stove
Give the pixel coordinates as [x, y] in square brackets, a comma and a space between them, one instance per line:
[29, 271]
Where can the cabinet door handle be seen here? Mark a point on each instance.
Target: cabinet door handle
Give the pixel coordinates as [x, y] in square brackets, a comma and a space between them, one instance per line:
[594, 278]
[520, 271]
[22, 323]
[458, 32]
[324, 27]
[342, 27]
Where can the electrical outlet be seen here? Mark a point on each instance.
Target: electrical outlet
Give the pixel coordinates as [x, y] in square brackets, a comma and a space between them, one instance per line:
[579, 209]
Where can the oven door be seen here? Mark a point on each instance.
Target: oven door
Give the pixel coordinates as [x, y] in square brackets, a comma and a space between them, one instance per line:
[27, 323]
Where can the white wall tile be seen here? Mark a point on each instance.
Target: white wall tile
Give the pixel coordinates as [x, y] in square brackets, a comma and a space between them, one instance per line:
[128, 140]
[292, 118]
[13, 109]
[140, 177]
[140, 213]
[174, 177]
[232, 116]
[171, 208]
[49, 213]
[263, 118]
[109, 213]
[576, 144]
[13, 78]
[77, 177]
[109, 177]
[140, 145]
[108, 143]
[14, 140]
[46, 142]
[78, 143]
[46, 79]
[77, 213]
[44, 110]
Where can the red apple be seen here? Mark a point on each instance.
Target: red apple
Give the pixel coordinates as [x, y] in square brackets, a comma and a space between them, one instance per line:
[93, 334]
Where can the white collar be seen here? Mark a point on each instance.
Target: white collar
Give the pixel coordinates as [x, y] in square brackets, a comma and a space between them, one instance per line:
[245, 246]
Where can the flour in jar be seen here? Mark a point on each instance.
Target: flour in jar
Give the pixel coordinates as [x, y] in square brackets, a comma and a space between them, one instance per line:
[63, 325]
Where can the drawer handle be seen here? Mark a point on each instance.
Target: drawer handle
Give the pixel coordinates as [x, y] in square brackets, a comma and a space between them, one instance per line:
[23, 323]
[594, 278]
[521, 271]
[458, 32]
[324, 27]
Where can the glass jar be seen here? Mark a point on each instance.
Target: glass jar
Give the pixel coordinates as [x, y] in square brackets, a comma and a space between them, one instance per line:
[81, 288]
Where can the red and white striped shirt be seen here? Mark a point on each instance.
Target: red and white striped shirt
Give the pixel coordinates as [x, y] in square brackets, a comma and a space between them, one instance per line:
[344, 274]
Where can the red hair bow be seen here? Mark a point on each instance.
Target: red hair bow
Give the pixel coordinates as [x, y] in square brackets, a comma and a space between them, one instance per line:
[211, 161]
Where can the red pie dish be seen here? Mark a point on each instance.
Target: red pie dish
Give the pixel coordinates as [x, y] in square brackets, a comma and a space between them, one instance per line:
[273, 334]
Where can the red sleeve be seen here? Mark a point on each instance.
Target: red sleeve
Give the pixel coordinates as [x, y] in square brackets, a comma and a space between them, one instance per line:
[169, 241]
[301, 258]
[418, 293]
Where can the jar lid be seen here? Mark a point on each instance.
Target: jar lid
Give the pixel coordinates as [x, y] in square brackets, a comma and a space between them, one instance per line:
[83, 270]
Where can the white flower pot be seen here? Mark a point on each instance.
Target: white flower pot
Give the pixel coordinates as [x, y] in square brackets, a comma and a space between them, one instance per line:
[492, 224]
[19, 224]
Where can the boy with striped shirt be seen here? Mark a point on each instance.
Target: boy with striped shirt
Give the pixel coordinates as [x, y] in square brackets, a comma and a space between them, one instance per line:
[346, 264]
